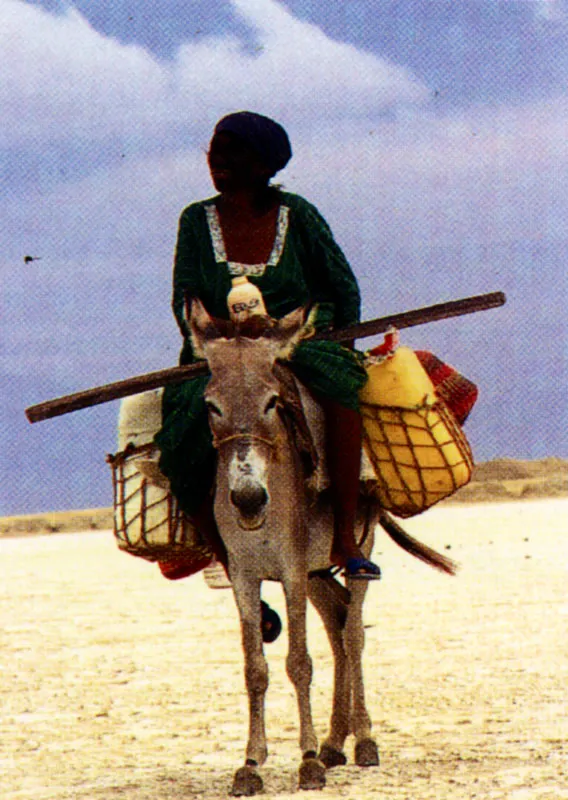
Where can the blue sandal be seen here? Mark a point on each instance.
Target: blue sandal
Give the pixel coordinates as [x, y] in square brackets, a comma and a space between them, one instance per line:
[362, 569]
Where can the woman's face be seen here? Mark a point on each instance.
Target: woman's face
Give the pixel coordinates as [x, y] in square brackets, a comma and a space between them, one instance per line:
[235, 165]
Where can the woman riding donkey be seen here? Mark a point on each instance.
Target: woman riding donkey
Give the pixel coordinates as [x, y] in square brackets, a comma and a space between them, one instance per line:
[283, 245]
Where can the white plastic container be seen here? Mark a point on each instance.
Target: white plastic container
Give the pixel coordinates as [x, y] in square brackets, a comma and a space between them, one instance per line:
[245, 300]
[147, 519]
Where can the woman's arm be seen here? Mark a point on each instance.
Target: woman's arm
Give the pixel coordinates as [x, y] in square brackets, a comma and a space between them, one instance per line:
[186, 263]
[333, 283]
[186, 278]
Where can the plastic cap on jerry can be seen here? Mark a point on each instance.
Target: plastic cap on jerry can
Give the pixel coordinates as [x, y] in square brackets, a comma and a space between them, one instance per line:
[244, 300]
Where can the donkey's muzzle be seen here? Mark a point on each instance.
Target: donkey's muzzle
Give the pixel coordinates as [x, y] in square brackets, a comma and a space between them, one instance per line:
[250, 499]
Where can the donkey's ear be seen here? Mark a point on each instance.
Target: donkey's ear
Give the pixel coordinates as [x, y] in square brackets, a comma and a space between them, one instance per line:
[201, 327]
[291, 329]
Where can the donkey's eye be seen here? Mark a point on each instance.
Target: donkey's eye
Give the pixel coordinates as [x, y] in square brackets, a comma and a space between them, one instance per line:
[271, 403]
[214, 409]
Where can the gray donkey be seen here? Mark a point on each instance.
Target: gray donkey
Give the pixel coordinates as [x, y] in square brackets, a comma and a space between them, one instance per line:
[274, 529]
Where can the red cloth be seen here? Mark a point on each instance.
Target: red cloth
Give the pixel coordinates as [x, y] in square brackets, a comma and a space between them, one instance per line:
[456, 391]
[183, 567]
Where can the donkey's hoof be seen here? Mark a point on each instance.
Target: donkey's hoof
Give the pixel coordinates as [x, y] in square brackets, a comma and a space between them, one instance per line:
[330, 757]
[312, 774]
[366, 753]
[246, 783]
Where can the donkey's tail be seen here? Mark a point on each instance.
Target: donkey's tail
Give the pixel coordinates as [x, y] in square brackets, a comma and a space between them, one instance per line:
[414, 547]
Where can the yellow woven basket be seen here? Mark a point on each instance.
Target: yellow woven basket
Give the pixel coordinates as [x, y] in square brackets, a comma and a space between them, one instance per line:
[420, 456]
[418, 450]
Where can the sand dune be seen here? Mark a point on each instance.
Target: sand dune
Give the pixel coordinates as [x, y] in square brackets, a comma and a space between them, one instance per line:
[510, 479]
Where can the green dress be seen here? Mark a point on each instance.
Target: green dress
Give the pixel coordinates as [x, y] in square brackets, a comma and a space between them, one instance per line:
[306, 266]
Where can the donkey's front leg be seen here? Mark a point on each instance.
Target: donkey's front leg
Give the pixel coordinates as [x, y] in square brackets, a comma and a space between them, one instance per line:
[247, 781]
[299, 669]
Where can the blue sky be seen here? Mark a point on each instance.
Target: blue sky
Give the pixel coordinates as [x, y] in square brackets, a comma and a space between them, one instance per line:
[431, 135]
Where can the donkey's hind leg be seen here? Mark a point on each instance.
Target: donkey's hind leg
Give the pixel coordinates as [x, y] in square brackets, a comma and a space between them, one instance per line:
[333, 612]
[366, 751]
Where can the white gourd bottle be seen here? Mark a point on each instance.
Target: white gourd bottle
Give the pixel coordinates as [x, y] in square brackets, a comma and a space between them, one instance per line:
[245, 300]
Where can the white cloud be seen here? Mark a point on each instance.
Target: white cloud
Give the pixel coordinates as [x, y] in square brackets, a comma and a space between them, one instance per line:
[550, 10]
[295, 69]
[482, 176]
[482, 173]
[61, 79]
[125, 214]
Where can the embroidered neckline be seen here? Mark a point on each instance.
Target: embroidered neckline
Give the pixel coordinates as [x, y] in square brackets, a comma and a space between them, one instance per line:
[236, 268]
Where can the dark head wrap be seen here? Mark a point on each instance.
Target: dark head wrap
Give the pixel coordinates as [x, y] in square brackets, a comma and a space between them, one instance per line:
[267, 137]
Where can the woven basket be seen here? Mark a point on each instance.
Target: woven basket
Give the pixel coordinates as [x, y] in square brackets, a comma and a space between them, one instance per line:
[148, 522]
[420, 455]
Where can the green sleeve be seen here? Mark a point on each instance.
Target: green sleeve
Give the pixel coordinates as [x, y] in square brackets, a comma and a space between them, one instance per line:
[334, 285]
[186, 265]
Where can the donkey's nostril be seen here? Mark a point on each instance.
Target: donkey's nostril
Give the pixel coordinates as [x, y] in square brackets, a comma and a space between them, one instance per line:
[249, 499]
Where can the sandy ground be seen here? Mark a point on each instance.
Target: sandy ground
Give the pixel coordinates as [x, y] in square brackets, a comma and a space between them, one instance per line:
[118, 684]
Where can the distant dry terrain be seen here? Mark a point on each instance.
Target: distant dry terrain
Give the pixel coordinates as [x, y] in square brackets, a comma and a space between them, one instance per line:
[57, 522]
[499, 480]
[508, 479]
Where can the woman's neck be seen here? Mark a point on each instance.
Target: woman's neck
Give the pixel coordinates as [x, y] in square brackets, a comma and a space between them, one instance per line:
[254, 202]
[249, 224]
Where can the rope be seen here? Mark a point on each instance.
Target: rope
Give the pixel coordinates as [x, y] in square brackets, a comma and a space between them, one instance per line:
[398, 442]
[217, 443]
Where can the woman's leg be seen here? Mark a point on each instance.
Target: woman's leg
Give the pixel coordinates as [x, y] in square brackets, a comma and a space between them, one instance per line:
[344, 431]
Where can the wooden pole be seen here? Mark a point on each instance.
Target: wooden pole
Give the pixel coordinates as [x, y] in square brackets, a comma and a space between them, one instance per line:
[172, 375]
[420, 316]
[114, 391]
